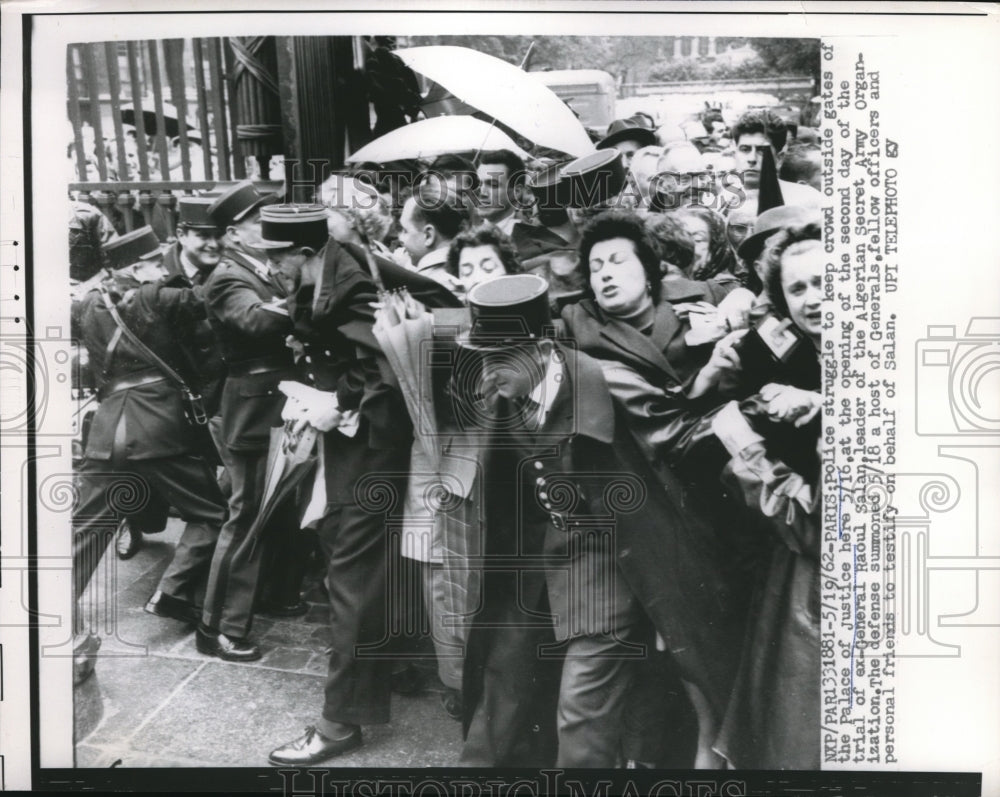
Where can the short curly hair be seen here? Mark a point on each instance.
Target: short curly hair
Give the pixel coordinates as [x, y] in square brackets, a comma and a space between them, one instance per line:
[483, 235]
[789, 241]
[622, 224]
[761, 120]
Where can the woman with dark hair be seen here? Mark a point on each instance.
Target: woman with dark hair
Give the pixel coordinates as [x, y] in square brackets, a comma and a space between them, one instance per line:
[481, 254]
[624, 302]
[639, 340]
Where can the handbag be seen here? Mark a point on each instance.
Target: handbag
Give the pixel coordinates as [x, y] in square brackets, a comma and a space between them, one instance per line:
[194, 407]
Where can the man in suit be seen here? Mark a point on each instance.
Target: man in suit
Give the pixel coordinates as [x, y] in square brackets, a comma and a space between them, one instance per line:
[141, 451]
[429, 221]
[353, 208]
[364, 446]
[245, 299]
[501, 176]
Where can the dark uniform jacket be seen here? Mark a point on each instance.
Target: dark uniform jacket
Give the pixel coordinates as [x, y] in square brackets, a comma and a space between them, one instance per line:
[341, 354]
[207, 363]
[252, 341]
[608, 533]
[164, 318]
[430, 293]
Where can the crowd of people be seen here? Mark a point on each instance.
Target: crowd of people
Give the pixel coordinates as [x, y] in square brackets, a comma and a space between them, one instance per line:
[580, 399]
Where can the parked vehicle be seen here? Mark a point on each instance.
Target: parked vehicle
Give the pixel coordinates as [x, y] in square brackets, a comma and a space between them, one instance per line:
[590, 93]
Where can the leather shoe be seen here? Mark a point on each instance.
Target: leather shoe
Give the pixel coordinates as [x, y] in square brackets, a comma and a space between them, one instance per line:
[313, 747]
[164, 605]
[128, 541]
[228, 648]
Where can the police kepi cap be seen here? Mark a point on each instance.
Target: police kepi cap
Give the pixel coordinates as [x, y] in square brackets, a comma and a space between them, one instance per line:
[596, 178]
[550, 187]
[508, 311]
[141, 244]
[282, 226]
[237, 202]
[193, 213]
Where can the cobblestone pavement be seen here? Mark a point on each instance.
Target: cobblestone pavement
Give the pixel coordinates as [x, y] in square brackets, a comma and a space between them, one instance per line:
[155, 701]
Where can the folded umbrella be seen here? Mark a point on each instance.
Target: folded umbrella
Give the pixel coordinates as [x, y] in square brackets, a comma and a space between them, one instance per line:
[286, 469]
[429, 138]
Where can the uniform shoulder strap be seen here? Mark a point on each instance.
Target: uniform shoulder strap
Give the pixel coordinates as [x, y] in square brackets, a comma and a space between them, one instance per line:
[132, 338]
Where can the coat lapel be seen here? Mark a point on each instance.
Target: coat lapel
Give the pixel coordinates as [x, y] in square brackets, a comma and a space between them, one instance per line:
[259, 272]
[636, 346]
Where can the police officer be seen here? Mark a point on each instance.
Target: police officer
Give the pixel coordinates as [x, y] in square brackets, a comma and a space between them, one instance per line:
[188, 262]
[366, 436]
[557, 456]
[142, 450]
[245, 301]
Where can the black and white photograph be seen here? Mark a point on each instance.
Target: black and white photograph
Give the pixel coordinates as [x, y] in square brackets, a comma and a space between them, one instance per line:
[452, 397]
[578, 398]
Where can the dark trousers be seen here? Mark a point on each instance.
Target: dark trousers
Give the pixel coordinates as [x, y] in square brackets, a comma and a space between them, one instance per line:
[361, 567]
[112, 489]
[591, 684]
[236, 567]
[514, 687]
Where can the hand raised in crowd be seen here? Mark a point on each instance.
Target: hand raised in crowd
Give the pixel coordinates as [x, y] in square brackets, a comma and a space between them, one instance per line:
[791, 404]
[393, 307]
[724, 364]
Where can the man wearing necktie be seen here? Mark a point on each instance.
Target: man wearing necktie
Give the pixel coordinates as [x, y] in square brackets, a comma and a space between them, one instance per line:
[245, 307]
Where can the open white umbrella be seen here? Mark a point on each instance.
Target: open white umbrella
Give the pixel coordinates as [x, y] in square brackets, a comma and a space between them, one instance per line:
[504, 92]
[428, 138]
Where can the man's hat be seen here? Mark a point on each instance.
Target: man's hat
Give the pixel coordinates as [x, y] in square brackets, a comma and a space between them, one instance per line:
[193, 213]
[595, 178]
[628, 130]
[771, 221]
[237, 202]
[508, 311]
[282, 226]
[141, 244]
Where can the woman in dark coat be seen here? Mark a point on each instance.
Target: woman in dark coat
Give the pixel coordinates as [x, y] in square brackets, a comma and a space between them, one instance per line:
[640, 342]
[773, 719]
